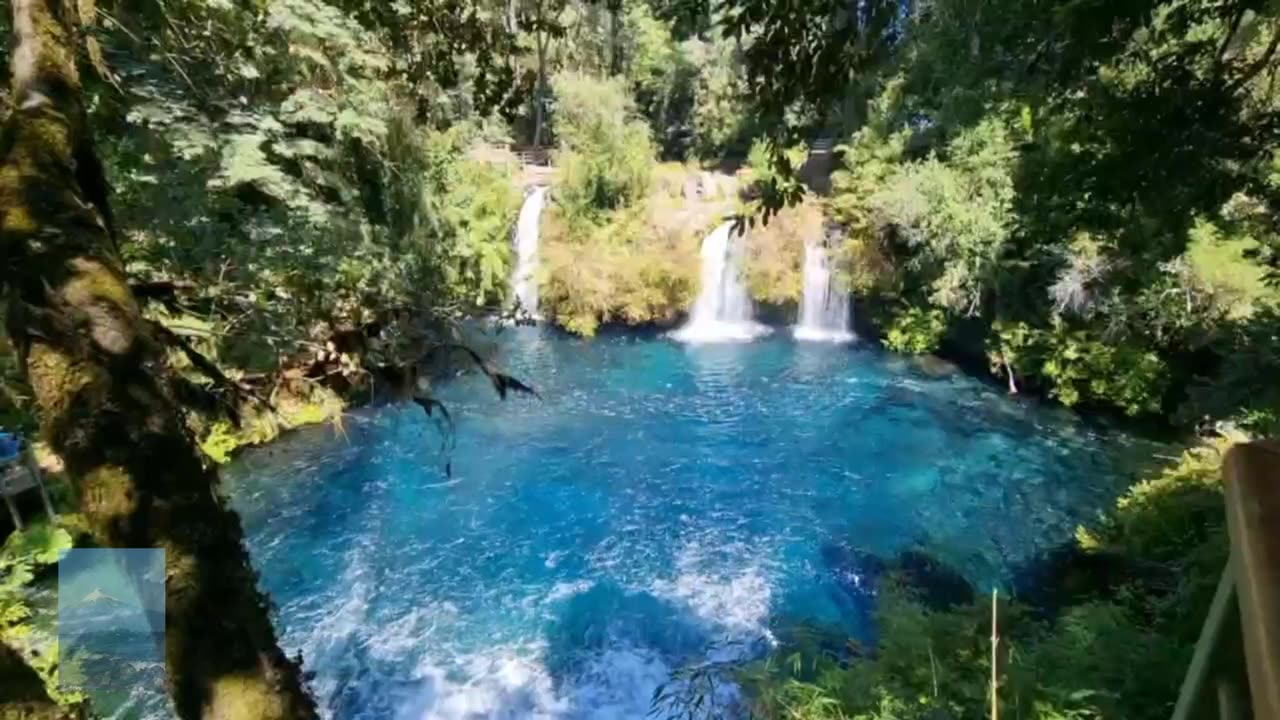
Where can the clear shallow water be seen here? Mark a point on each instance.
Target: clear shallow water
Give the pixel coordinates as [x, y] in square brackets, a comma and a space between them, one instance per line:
[665, 504]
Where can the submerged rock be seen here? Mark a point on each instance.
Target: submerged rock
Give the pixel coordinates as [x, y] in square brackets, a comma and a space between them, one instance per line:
[938, 586]
[858, 573]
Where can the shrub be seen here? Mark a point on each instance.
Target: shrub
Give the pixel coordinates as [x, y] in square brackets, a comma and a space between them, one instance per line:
[455, 218]
[774, 253]
[1078, 368]
[634, 268]
[1075, 366]
[23, 554]
[916, 331]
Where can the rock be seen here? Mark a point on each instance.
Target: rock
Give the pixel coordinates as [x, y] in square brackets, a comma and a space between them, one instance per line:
[935, 367]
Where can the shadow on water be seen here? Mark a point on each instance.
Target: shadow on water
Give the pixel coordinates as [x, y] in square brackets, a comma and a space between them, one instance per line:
[607, 618]
[1068, 575]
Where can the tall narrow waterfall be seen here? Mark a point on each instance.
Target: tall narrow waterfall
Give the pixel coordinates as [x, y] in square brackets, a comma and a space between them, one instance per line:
[723, 311]
[526, 243]
[824, 311]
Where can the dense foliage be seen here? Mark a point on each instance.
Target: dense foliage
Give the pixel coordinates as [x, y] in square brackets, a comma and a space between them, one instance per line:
[22, 556]
[1082, 196]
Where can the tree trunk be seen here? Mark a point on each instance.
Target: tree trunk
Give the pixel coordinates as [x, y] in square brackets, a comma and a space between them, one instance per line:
[540, 93]
[615, 40]
[104, 396]
[1013, 383]
[22, 693]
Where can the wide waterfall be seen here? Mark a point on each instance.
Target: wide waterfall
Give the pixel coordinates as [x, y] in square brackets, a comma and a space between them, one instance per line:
[825, 309]
[723, 311]
[526, 244]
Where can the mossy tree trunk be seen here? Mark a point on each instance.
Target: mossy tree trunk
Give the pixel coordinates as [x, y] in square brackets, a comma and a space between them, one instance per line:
[104, 394]
[22, 693]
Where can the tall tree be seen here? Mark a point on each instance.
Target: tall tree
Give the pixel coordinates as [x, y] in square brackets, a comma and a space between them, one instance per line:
[106, 399]
[545, 25]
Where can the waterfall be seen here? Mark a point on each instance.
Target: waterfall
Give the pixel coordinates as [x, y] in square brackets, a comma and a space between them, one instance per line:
[526, 243]
[825, 309]
[723, 311]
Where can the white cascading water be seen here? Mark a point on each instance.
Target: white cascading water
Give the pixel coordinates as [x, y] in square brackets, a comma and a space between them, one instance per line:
[723, 311]
[523, 279]
[825, 309]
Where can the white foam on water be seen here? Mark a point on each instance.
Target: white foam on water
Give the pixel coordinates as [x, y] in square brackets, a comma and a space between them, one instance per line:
[510, 681]
[737, 604]
[500, 683]
[811, 334]
[563, 590]
[714, 331]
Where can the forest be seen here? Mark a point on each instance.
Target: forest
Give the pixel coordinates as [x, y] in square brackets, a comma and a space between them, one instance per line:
[225, 219]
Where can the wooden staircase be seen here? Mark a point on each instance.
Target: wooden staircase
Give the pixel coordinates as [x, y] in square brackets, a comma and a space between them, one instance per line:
[817, 168]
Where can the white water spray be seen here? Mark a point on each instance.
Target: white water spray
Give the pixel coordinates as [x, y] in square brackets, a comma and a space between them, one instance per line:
[825, 309]
[526, 244]
[723, 311]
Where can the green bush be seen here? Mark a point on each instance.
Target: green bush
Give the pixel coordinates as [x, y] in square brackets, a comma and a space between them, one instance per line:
[1078, 368]
[22, 555]
[930, 665]
[635, 268]
[916, 331]
[1243, 390]
[452, 218]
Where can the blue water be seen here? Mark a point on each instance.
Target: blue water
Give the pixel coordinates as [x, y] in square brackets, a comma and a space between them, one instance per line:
[662, 505]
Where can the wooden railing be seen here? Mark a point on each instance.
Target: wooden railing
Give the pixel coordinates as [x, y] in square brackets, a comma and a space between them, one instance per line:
[531, 156]
[1235, 671]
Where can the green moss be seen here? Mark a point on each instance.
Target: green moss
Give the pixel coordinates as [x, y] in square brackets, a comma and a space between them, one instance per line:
[221, 440]
[245, 696]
